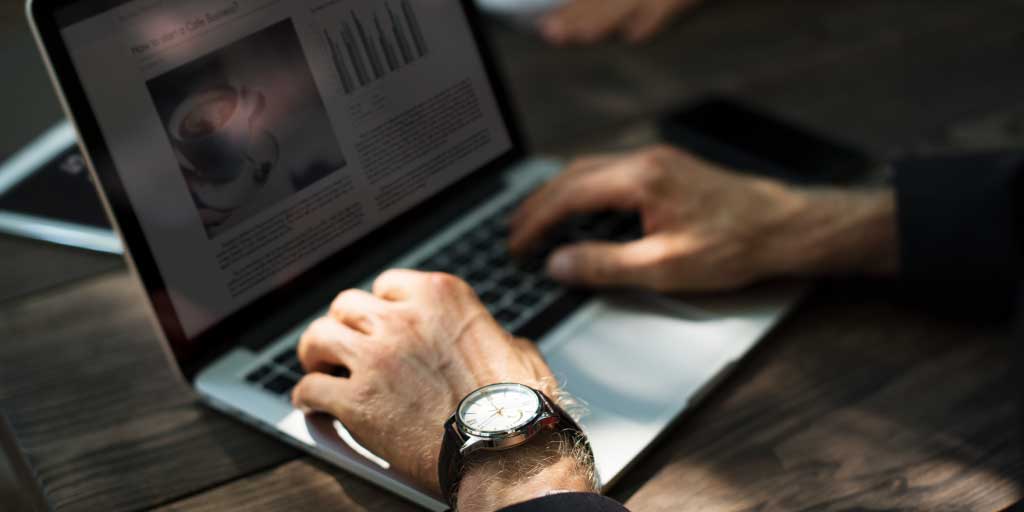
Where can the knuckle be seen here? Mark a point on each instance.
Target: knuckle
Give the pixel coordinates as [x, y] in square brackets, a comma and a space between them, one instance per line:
[303, 349]
[651, 170]
[340, 300]
[384, 277]
[447, 282]
[302, 388]
[318, 326]
[308, 339]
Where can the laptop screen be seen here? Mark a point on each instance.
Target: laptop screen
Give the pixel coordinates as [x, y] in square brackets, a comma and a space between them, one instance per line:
[256, 138]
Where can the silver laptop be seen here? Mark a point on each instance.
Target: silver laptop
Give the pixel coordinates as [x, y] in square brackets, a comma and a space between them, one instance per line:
[259, 156]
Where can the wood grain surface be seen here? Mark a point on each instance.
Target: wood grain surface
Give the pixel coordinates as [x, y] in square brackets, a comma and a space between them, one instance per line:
[98, 412]
[858, 402]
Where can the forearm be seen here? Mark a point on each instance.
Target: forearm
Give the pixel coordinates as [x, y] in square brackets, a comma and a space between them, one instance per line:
[549, 464]
[831, 231]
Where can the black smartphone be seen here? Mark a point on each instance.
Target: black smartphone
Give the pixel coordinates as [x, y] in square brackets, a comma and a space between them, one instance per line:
[730, 133]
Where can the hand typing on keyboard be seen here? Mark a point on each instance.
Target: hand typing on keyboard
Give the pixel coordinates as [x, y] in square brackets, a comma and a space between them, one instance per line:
[706, 228]
[413, 348]
[516, 290]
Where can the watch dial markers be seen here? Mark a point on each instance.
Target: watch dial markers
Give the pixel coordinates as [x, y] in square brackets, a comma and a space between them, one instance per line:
[499, 408]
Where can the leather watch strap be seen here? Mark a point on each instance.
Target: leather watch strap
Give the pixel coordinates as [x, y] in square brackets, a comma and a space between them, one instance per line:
[450, 461]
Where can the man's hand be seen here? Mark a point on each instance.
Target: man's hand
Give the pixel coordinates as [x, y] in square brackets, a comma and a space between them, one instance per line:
[414, 348]
[590, 21]
[706, 228]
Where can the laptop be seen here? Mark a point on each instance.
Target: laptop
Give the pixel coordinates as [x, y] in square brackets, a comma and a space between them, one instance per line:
[259, 156]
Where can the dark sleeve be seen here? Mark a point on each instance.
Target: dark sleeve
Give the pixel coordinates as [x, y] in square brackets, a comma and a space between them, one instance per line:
[570, 501]
[960, 227]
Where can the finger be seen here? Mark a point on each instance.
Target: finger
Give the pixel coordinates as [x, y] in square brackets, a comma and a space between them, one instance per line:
[556, 26]
[586, 21]
[397, 285]
[604, 264]
[328, 344]
[356, 309]
[578, 166]
[318, 392]
[652, 17]
[612, 187]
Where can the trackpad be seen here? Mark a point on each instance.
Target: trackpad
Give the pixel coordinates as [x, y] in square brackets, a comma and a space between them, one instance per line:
[634, 362]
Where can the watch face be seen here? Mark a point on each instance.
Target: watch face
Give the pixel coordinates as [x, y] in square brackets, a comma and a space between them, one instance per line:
[499, 408]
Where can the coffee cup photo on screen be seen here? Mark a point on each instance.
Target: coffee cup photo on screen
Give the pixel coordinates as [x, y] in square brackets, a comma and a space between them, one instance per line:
[248, 126]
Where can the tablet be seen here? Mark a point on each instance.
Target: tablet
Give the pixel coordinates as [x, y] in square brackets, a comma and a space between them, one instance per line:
[523, 11]
[46, 194]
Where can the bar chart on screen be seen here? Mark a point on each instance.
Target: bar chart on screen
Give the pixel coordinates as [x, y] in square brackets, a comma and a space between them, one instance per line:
[365, 49]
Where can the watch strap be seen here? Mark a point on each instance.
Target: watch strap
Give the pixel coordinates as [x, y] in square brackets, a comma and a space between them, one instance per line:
[450, 461]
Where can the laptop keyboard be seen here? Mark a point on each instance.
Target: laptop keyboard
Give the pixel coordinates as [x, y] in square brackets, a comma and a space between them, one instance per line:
[515, 291]
[280, 374]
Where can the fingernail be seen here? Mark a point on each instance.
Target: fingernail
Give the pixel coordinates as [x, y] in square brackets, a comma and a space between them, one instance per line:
[561, 265]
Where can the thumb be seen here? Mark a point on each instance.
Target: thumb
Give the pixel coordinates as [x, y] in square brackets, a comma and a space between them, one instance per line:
[606, 264]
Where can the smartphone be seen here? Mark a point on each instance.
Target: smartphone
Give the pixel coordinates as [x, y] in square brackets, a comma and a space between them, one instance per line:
[732, 134]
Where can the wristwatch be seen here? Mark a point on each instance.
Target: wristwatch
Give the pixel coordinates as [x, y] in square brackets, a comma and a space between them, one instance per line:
[496, 417]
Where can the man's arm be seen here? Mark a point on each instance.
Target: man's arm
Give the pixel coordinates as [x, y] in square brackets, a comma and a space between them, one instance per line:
[707, 228]
[949, 225]
[528, 478]
[414, 348]
[421, 342]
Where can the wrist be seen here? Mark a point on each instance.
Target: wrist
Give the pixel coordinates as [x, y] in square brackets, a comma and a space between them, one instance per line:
[830, 231]
[551, 463]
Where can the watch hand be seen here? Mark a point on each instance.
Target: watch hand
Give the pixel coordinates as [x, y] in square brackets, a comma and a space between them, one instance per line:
[488, 397]
[489, 418]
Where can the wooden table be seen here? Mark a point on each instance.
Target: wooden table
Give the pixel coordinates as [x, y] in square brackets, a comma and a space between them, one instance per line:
[857, 402]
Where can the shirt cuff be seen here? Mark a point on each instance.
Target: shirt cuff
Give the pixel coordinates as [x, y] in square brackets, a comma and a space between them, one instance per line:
[958, 219]
[570, 501]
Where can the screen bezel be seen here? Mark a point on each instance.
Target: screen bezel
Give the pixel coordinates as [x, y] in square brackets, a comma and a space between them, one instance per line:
[193, 354]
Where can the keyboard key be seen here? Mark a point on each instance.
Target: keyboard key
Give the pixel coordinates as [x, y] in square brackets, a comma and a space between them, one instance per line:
[547, 285]
[510, 287]
[258, 374]
[461, 259]
[510, 281]
[286, 357]
[280, 384]
[438, 263]
[296, 366]
[529, 299]
[506, 316]
[532, 264]
[478, 276]
[491, 297]
[497, 260]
